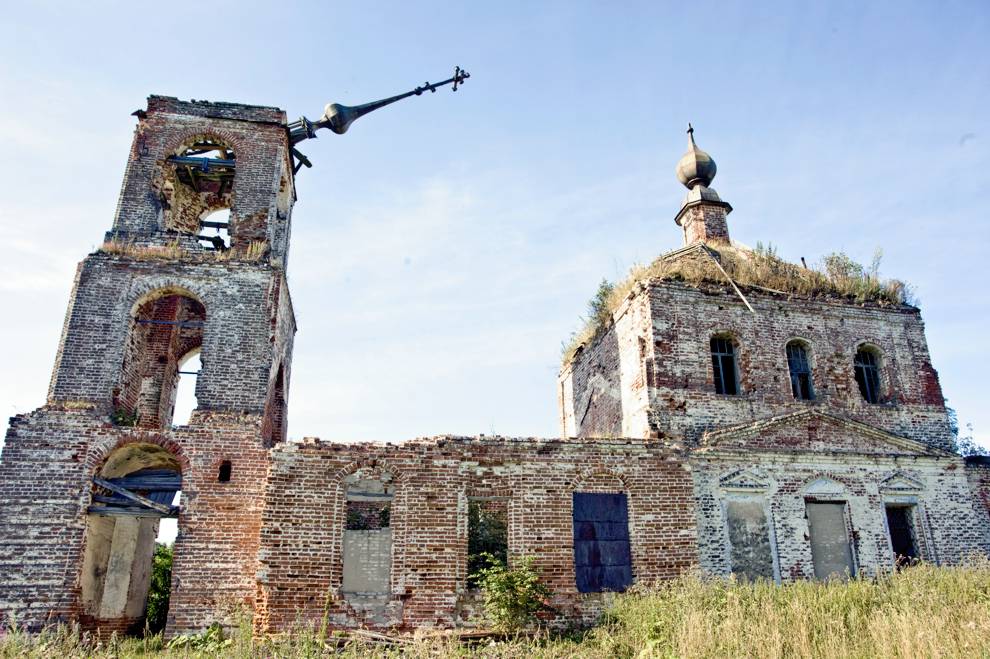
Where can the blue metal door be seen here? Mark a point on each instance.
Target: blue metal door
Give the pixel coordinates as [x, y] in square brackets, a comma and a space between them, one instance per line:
[602, 560]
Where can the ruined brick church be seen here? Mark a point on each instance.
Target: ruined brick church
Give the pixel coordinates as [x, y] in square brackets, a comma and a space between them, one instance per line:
[706, 423]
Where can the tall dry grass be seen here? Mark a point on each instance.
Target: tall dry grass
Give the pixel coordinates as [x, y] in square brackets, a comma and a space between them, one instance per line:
[923, 611]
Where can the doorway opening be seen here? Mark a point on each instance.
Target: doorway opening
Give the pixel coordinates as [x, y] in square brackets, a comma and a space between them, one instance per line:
[132, 494]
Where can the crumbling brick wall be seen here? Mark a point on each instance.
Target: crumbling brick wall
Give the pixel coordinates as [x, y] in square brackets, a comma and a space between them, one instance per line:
[264, 188]
[677, 370]
[603, 390]
[300, 567]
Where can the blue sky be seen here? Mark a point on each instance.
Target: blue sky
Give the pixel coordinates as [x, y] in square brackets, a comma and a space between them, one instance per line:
[444, 247]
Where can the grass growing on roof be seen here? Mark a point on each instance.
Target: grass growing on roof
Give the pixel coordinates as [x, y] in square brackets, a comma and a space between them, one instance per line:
[838, 277]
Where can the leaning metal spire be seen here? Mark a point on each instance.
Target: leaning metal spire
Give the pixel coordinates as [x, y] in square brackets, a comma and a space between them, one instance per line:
[338, 118]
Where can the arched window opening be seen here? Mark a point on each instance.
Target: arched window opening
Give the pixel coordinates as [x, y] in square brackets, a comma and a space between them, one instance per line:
[185, 390]
[273, 427]
[724, 366]
[867, 366]
[196, 181]
[800, 370]
[165, 330]
[135, 491]
[214, 231]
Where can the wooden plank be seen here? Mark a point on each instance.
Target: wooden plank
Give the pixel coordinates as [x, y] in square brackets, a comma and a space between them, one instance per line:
[157, 485]
[144, 501]
[119, 511]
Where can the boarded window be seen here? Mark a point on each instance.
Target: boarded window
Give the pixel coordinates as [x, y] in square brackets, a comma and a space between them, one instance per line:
[830, 549]
[724, 366]
[903, 540]
[867, 364]
[749, 538]
[488, 527]
[602, 560]
[800, 370]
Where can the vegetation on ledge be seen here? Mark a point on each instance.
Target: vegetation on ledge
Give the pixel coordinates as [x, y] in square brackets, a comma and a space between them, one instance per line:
[174, 251]
[837, 277]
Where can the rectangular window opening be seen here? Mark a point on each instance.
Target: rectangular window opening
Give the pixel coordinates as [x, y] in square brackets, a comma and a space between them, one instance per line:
[488, 534]
[724, 366]
[602, 557]
[903, 539]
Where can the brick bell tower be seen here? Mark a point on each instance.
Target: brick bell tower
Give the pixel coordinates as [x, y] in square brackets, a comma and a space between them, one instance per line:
[194, 265]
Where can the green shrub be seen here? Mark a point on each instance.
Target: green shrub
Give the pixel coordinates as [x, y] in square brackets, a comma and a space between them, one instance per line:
[211, 641]
[512, 596]
[124, 417]
[161, 588]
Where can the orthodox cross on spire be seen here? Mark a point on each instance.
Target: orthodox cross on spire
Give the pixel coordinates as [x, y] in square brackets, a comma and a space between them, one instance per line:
[338, 118]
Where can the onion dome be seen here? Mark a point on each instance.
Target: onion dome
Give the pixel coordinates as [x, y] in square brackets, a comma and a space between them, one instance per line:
[695, 166]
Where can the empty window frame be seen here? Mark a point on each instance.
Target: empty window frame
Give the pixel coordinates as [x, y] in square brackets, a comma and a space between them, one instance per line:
[724, 366]
[800, 370]
[488, 534]
[903, 539]
[867, 365]
[602, 557]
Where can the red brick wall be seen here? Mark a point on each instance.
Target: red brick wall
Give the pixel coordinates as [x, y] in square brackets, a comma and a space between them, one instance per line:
[300, 559]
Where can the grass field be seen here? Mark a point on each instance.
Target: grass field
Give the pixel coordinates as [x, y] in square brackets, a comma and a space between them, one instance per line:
[922, 611]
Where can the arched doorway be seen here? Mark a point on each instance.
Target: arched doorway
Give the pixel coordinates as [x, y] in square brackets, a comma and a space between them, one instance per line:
[132, 492]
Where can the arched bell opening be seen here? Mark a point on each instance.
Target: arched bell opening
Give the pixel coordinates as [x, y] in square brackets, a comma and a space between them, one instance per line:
[138, 486]
[196, 181]
[167, 329]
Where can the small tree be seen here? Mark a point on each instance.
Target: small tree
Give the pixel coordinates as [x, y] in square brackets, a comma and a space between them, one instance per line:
[513, 596]
[599, 312]
[966, 445]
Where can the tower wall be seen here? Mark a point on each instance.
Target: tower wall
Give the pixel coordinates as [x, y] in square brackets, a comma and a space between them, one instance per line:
[113, 385]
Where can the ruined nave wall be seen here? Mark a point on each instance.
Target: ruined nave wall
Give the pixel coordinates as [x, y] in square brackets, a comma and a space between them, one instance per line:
[300, 562]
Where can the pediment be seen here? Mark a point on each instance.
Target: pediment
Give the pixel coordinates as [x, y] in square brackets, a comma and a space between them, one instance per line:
[823, 487]
[900, 483]
[814, 431]
[747, 480]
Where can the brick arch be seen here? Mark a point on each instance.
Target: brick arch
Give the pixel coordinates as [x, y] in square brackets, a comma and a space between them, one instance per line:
[146, 290]
[377, 465]
[808, 344]
[177, 142]
[98, 456]
[870, 342]
[598, 477]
